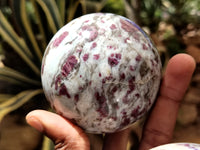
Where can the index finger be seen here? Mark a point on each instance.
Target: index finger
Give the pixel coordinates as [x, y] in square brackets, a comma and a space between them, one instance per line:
[160, 126]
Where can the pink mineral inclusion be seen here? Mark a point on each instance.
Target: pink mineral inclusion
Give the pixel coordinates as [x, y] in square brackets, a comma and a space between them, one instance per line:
[112, 27]
[86, 21]
[79, 50]
[110, 47]
[85, 27]
[114, 89]
[96, 56]
[144, 47]
[76, 98]
[118, 55]
[106, 79]
[69, 65]
[131, 68]
[137, 95]
[113, 60]
[131, 84]
[93, 31]
[138, 58]
[135, 112]
[63, 91]
[85, 57]
[127, 26]
[122, 76]
[93, 45]
[103, 108]
[126, 40]
[58, 40]
[126, 120]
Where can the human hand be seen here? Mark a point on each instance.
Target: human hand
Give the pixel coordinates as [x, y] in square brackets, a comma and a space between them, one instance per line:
[159, 126]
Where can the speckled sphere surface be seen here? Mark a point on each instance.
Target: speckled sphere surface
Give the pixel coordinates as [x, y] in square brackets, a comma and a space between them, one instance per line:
[102, 72]
[178, 146]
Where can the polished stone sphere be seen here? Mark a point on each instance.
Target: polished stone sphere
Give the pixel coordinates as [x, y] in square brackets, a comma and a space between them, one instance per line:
[102, 72]
[178, 146]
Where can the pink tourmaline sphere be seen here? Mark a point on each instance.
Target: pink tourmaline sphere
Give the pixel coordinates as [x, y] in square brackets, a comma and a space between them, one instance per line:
[178, 146]
[102, 72]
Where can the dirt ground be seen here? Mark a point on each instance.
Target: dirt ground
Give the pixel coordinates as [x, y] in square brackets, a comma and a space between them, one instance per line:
[15, 134]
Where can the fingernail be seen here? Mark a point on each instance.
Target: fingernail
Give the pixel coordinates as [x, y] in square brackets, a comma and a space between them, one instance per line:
[34, 122]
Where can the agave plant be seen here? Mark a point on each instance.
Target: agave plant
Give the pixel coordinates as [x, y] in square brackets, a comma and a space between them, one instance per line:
[26, 26]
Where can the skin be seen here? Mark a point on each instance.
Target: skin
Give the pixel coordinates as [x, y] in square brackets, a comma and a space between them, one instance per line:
[159, 126]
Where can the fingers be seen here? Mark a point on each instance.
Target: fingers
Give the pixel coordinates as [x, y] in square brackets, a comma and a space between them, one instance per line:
[116, 141]
[160, 126]
[64, 134]
[158, 129]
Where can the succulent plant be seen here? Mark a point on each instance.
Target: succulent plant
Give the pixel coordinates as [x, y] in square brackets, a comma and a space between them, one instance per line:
[102, 72]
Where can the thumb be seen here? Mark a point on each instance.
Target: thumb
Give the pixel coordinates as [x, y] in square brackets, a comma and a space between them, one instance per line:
[64, 134]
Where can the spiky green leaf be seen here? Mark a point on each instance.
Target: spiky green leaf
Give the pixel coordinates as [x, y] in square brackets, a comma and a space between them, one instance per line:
[47, 144]
[18, 44]
[40, 26]
[4, 97]
[52, 13]
[17, 101]
[61, 7]
[21, 15]
[8, 34]
[73, 5]
[17, 76]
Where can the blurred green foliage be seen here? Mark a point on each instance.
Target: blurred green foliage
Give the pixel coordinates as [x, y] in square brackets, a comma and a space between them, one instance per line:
[151, 14]
[114, 6]
[181, 12]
